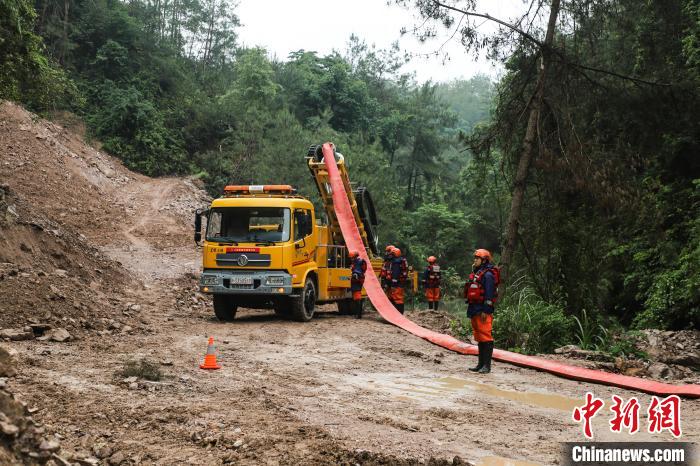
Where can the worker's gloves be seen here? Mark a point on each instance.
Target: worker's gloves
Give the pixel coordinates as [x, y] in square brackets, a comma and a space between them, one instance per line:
[355, 276]
[394, 283]
[489, 303]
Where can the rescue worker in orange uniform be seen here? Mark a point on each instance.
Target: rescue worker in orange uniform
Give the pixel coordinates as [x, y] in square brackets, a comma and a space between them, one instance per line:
[386, 268]
[398, 275]
[358, 268]
[480, 292]
[431, 283]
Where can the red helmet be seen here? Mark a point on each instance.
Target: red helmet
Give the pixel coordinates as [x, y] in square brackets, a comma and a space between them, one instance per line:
[353, 254]
[483, 254]
[389, 248]
[431, 260]
[396, 252]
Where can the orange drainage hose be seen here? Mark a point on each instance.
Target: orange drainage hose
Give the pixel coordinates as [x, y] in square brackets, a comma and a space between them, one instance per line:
[352, 238]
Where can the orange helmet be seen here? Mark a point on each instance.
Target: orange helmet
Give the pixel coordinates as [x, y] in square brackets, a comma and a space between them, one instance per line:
[396, 252]
[483, 254]
[353, 254]
[389, 247]
[431, 260]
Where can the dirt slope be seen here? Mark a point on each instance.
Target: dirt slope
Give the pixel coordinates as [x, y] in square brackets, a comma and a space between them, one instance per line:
[332, 391]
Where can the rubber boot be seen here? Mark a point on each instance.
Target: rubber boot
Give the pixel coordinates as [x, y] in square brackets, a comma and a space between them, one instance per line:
[488, 353]
[430, 304]
[435, 305]
[358, 309]
[400, 308]
[480, 365]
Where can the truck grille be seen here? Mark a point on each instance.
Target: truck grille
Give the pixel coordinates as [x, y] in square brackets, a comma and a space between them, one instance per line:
[249, 259]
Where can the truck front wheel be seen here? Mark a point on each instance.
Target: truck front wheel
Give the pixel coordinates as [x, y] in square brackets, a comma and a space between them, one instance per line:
[224, 307]
[303, 306]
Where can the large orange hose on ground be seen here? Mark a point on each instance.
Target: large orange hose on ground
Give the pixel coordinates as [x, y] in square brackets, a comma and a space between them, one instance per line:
[351, 234]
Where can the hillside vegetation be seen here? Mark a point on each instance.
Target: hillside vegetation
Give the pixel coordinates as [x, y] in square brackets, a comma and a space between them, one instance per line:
[611, 219]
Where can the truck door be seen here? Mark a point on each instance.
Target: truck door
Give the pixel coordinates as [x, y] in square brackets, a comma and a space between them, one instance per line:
[304, 243]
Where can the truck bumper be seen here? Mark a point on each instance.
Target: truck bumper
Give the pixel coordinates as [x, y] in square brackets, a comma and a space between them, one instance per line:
[248, 282]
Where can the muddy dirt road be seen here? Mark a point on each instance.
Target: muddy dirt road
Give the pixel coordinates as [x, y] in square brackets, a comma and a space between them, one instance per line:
[334, 390]
[297, 393]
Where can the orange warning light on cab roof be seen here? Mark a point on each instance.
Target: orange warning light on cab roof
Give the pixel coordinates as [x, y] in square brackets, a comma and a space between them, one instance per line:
[267, 188]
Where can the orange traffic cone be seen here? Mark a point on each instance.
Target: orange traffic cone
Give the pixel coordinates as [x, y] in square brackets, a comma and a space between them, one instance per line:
[210, 358]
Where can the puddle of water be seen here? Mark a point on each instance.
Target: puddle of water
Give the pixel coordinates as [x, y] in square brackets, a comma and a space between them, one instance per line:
[421, 392]
[406, 390]
[544, 400]
[429, 389]
[499, 461]
[408, 387]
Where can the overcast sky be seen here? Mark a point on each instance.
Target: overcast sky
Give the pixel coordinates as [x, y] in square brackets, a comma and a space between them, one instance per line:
[283, 26]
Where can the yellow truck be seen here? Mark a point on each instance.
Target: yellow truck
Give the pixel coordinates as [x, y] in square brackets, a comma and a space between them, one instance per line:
[265, 247]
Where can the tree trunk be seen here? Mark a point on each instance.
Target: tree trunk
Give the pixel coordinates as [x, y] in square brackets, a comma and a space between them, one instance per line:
[528, 150]
[210, 33]
[43, 17]
[64, 49]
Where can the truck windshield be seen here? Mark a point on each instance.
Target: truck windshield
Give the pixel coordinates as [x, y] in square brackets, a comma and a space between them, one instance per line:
[248, 224]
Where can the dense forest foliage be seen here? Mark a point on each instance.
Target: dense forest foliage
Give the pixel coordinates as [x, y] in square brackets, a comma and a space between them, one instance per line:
[610, 228]
[613, 200]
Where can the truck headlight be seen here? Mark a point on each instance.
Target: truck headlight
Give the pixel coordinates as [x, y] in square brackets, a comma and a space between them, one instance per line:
[210, 280]
[274, 281]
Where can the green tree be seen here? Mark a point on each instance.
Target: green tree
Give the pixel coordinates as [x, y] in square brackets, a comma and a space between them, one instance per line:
[133, 128]
[26, 74]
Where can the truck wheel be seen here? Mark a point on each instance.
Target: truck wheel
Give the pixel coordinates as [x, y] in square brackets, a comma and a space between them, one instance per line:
[345, 307]
[224, 307]
[304, 305]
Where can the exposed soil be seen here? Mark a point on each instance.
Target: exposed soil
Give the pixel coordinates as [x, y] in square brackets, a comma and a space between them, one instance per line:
[332, 391]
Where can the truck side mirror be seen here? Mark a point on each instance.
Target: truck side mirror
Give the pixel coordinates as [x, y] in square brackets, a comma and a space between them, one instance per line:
[198, 224]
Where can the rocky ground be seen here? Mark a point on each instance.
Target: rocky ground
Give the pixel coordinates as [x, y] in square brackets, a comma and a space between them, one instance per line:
[104, 329]
[666, 356]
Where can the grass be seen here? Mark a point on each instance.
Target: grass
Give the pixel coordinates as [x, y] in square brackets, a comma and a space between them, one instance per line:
[143, 369]
[461, 328]
[586, 331]
[525, 323]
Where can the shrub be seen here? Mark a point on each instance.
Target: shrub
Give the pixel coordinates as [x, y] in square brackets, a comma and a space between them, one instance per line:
[615, 341]
[142, 369]
[586, 331]
[461, 328]
[27, 75]
[133, 129]
[452, 283]
[525, 323]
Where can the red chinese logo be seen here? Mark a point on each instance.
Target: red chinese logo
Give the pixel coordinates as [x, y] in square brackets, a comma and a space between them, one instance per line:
[665, 415]
[587, 412]
[626, 416]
